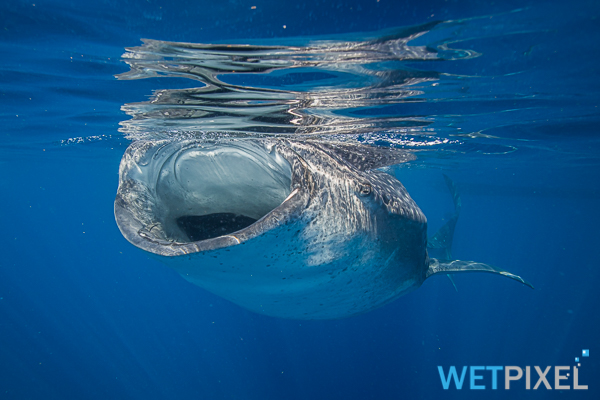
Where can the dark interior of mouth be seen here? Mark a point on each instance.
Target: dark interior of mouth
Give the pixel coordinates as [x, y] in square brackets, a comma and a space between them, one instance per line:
[206, 191]
[202, 227]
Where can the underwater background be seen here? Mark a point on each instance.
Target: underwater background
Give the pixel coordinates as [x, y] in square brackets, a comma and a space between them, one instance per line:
[84, 314]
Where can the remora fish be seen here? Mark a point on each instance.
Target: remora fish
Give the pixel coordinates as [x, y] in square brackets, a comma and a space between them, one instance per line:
[304, 230]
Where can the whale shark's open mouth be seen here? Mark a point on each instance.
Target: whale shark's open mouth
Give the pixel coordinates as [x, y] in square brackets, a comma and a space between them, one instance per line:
[183, 192]
[202, 227]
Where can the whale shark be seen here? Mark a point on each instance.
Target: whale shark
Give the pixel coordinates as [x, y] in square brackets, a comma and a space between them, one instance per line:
[287, 228]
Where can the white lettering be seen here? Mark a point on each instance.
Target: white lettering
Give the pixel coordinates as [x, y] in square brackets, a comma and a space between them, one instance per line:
[508, 377]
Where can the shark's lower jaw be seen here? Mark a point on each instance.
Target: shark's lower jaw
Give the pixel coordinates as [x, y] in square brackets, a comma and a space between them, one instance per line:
[189, 192]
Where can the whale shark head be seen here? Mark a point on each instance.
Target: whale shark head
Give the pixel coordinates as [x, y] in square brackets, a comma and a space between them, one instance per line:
[175, 194]
[291, 229]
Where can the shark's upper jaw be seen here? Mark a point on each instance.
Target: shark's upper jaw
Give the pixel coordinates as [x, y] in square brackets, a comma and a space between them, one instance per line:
[185, 192]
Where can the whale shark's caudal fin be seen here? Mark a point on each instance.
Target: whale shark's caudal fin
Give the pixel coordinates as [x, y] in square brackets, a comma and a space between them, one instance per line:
[441, 244]
[453, 266]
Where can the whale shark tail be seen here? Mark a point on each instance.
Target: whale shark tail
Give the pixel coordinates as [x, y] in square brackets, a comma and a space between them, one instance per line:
[441, 244]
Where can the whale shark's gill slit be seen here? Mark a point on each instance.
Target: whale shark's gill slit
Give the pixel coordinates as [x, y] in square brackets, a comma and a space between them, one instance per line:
[202, 227]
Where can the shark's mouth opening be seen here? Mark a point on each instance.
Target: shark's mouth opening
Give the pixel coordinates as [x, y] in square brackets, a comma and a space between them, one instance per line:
[190, 192]
[206, 192]
[202, 227]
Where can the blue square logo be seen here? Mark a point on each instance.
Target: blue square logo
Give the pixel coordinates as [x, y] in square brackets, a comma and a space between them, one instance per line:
[576, 359]
[585, 353]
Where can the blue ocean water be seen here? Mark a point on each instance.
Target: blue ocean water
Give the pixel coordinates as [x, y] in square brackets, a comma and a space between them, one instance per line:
[84, 314]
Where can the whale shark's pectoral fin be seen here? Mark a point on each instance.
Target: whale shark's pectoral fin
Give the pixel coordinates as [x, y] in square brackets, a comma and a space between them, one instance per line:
[441, 243]
[455, 266]
[364, 157]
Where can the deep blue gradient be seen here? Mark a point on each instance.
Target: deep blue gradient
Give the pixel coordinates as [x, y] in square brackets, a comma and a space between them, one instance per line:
[86, 315]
